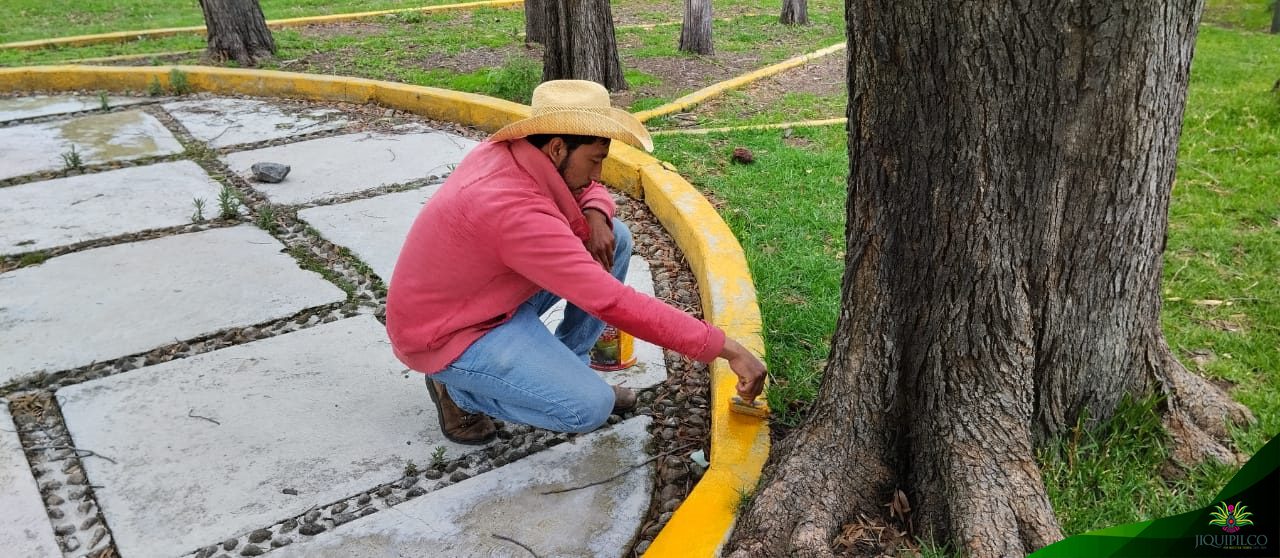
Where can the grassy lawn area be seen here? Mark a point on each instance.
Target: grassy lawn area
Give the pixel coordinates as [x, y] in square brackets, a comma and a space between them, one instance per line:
[1222, 264]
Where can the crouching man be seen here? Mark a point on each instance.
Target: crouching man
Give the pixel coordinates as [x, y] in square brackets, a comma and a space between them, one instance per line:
[521, 223]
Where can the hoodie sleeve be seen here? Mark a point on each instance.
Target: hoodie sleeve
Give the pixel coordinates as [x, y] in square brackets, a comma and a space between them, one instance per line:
[597, 197]
[539, 246]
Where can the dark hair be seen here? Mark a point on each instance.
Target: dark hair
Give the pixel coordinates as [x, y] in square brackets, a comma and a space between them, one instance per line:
[571, 141]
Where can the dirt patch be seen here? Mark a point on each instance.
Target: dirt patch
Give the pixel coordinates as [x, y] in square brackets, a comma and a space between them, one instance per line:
[639, 13]
[341, 29]
[824, 77]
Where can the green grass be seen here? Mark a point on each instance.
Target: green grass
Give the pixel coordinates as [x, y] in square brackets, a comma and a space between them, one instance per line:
[1249, 15]
[39, 19]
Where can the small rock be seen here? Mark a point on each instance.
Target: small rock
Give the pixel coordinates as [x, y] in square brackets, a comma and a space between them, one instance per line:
[407, 483]
[432, 474]
[230, 544]
[537, 447]
[614, 419]
[670, 505]
[341, 518]
[71, 544]
[384, 491]
[53, 500]
[76, 494]
[311, 517]
[338, 507]
[415, 492]
[251, 550]
[288, 526]
[394, 500]
[289, 491]
[55, 513]
[459, 476]
[101, 532]
[49, 486]
[310, 529]
[64, 529]
[269, 172]
[451, 467]
[259, 536]
[281, 541]
[89, 522]
[363, 499]
[640, 548]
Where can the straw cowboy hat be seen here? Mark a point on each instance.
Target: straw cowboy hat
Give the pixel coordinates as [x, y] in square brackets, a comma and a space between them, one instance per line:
[577, 107]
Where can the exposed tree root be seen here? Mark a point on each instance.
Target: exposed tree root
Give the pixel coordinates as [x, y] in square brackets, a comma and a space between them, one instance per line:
[1199, 414]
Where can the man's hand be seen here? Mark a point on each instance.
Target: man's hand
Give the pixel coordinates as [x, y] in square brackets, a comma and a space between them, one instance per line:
[601, 243]
[750, 371]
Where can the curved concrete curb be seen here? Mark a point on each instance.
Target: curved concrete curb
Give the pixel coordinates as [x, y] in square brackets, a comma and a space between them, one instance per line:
[719, 88]
[127, 36]
[704, 131]
[739, 444]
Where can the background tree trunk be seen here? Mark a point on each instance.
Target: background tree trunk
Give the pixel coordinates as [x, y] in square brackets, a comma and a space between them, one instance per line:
[237, 31]
[795, 12]
[535, 21]
[1275, 16]
[1010, 175]
[695, 34]
[580, 43]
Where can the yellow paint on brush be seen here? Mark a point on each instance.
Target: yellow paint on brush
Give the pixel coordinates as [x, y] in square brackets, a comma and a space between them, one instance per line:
[784, 125]
[739, 444]
[719, 88]
[128, 36]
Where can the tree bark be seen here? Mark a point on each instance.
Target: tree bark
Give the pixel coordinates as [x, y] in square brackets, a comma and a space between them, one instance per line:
[1010, 176]
[695, 34]
[580, 43]
[795, 12]
[237, 30]
[535, 21]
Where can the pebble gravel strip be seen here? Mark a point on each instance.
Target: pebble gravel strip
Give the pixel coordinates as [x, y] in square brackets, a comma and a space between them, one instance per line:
[678, 406]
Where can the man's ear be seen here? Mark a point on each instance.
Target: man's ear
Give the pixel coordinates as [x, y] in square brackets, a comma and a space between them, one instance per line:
[556, 150]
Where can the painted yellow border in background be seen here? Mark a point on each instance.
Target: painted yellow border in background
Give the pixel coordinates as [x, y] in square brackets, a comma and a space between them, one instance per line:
[739, 444]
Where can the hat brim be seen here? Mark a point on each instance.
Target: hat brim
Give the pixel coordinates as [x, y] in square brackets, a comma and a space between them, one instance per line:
[616, 124]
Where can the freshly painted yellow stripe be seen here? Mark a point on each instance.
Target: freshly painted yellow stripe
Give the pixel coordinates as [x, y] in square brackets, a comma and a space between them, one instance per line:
[719, 88]
[739, 444]
[127, 36]
[784, 125]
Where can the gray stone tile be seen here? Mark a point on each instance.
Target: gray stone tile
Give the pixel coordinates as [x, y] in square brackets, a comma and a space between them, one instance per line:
[65, 211]
[24, 525]
[226, 122]
[464, 520]
[101, 138]
[326, 411]
[339, 165]
[44, 105]
[109, 302]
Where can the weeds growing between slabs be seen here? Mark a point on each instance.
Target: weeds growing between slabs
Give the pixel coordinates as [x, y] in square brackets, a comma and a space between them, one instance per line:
[1221, 279]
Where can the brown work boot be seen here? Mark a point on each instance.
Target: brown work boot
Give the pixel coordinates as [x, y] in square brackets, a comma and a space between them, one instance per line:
[624, 400]
[458, 425]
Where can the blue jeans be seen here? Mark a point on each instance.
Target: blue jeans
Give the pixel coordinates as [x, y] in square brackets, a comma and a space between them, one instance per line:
[521, 372]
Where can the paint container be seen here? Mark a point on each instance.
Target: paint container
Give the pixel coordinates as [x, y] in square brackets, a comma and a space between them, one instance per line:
[613, 351]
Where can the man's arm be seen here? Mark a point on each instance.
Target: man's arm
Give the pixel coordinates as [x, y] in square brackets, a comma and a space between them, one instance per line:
[600, 245]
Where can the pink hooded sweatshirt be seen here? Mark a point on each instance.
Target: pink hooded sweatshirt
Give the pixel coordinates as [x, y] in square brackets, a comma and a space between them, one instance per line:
[503, 227]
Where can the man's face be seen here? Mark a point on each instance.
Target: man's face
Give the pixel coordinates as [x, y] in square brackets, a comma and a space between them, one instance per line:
[582, 165]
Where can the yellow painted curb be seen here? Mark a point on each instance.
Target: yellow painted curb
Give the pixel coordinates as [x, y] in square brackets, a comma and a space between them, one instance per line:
[719, 88]
[784, 125]
[127, 36]
[739, 444]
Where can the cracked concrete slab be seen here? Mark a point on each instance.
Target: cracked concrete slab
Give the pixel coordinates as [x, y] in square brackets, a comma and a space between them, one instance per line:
[19, 108]
[101, 138]
[65, 211]
[329, 167]
[24, 525]
[227, 122]
[326, 411]
[374, 230]
[466, 519]
[110, 302]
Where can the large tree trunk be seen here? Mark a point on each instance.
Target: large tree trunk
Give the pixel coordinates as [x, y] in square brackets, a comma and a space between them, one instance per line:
[237, 31]
[695, 34]
[795, 12]
[580, 43]
[1010, 175]
[535, 21]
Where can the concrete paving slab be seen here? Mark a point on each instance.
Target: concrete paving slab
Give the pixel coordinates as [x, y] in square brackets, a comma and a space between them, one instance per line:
[109, 302]
[326, 411]
[68, 210]
[24, 525]
[101, 138]
[464, 519]
[352, 163]
[47, 105]
[374, 230]
[226, 122]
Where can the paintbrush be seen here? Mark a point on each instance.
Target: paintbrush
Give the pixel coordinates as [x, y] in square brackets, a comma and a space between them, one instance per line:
[755, 407]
